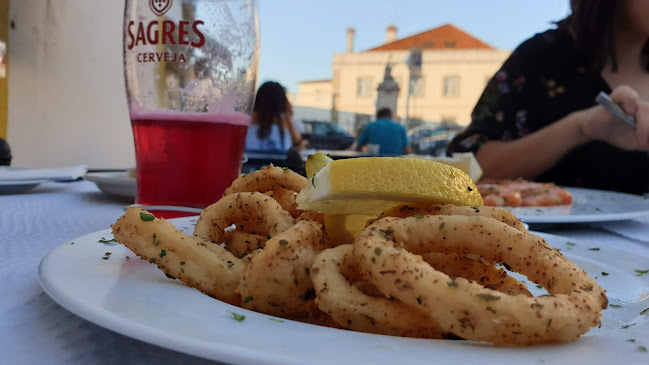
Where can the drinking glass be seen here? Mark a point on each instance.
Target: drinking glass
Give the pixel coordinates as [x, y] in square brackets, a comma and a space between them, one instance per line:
[190, 68]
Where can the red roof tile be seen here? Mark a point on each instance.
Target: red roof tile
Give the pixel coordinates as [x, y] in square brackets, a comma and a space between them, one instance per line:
[445, 37]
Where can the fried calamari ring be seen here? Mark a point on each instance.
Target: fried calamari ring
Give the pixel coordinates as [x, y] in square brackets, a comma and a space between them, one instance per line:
[267, 178]
[254, 213]
[311, 215]
[277, 280]
[387, 255]
[243, 243]
[422, 209]
[285, 198]
[355, 310]
[197, 262]
[472, 268]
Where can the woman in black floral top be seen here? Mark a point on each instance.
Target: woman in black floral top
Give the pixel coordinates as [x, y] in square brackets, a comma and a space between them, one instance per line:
[537, 118]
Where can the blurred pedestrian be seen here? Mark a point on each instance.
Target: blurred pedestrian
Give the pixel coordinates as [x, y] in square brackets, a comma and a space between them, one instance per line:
[390, 136]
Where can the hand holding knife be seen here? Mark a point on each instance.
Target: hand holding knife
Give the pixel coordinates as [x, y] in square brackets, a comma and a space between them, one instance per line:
[605, 100]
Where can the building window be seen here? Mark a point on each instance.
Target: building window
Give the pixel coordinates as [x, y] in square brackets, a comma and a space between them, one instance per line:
[364, 86]
[417, 87]
[451, 86]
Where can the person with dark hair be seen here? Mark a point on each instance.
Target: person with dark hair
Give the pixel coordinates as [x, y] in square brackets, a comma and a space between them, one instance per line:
[272, 128]
[388, 134]
[537, 118]
[5, 153]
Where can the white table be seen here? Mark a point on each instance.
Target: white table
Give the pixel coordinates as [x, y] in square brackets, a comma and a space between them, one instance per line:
[36, 330]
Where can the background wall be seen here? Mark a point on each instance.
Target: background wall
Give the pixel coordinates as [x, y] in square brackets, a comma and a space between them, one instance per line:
[67, 101]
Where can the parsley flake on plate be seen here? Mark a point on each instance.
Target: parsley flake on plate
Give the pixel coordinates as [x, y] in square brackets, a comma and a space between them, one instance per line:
[238, 317]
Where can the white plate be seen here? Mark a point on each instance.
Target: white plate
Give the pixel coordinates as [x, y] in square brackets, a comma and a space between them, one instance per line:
[117, 184]
[18, 186]
[134, 298]
[588, 205]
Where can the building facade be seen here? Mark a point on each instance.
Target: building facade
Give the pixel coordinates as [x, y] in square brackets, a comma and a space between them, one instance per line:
[455, 67]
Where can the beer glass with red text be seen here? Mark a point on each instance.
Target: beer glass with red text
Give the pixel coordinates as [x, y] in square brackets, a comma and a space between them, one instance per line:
[191, 70]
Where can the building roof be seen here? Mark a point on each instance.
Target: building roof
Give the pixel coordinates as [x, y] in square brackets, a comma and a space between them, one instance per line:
[447, 36]
[314, 81]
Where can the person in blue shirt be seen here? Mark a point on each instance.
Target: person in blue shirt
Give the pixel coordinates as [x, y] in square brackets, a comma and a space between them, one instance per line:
[388, 134]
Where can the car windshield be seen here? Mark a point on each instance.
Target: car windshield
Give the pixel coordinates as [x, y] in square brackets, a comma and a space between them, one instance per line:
[338, 128]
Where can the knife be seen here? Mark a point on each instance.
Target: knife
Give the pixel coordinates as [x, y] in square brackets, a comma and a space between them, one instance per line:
[605, 100]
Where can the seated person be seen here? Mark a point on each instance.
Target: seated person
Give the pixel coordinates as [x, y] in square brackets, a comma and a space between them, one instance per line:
[271, 128]
[537, 118]
[388, 134]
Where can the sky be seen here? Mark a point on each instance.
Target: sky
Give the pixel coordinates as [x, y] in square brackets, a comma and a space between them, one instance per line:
[300, 37]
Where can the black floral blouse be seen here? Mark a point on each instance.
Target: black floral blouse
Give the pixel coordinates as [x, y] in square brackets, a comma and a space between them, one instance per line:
[542, 81]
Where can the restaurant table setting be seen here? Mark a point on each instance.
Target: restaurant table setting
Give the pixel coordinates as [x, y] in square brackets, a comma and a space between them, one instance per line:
[93, 319]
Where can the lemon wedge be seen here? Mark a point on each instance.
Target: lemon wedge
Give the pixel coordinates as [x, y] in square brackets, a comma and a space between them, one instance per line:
[343, 228]
[464, 161]
[371, 185]
[315, 163]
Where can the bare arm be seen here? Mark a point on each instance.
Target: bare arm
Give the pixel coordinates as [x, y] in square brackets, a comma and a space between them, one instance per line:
[536, 153]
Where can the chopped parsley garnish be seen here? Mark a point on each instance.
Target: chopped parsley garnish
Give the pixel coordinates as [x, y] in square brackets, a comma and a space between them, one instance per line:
[72, 243]
[539, 286]
[570, 243]
[642, 349]
[285, 168]
[238, 317]
[283, 242]
[163, 253]
[628, 325]
[104, 240]
[641, 272]
[146, 217]
[313, 181]
[594, 248]
[276, 320]
[604, 273]
[441, 226]
[418, 216]
[247, 300]
[615, 306]
[127, 258]
[631, 340]
[646, 311]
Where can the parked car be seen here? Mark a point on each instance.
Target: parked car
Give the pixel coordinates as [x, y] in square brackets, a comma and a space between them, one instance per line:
[432, 139]
[326, 136]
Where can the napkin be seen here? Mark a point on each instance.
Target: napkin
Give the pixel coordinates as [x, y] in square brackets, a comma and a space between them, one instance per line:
[55, 174]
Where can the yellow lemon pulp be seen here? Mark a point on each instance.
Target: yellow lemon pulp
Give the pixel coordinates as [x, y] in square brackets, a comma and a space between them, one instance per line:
[343, 228]
[370, 185]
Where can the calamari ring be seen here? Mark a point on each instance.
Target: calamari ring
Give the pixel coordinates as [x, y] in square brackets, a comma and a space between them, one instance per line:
[466, 308]
[285, 198]
[254, 213]
[472, 268]
[355, 310]
[277, 279]
[267, 178]
[422, 209]
[243, 243]
[311, 215]
[197, 262]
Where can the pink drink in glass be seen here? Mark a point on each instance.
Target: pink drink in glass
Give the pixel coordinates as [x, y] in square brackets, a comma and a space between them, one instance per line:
[187, 159]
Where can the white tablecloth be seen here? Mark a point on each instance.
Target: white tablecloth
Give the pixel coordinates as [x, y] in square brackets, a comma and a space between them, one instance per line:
[36, 330]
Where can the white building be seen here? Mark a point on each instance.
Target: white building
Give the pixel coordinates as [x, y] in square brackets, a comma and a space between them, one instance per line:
[454, 71]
